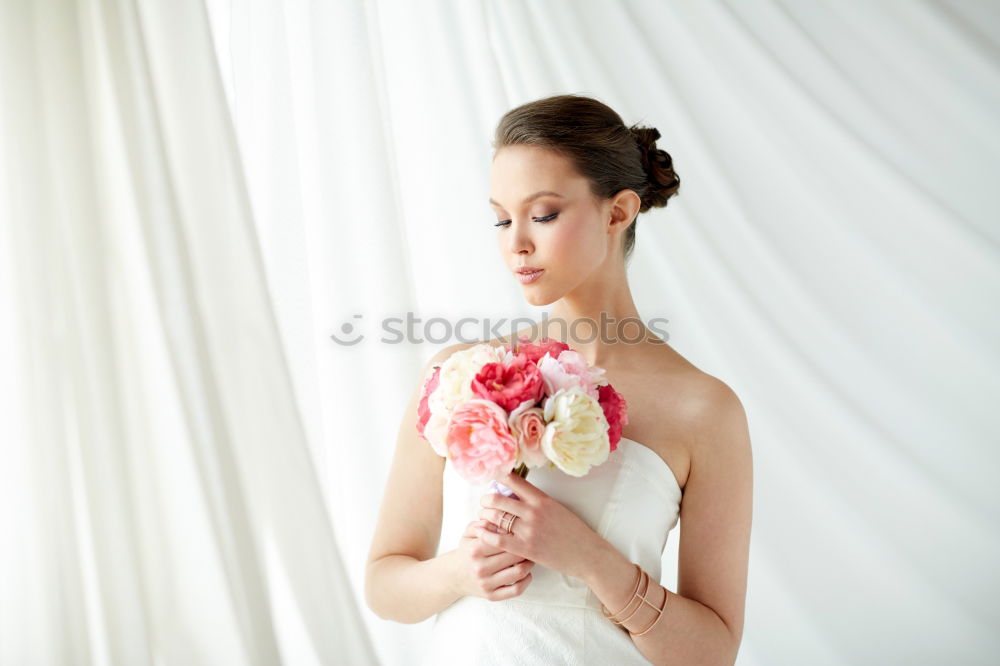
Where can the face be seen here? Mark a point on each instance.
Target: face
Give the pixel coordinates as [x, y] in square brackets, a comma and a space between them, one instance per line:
[566, 233]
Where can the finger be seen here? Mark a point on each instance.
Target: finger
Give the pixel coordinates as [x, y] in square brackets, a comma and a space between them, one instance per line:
[496, 518]
[497, 562]
[501, 503]
[523, 488]
[510, 591]
[486, 527]
[511, 574]
[471, 528]
[501, 560]
[497, 539]
[487, 551]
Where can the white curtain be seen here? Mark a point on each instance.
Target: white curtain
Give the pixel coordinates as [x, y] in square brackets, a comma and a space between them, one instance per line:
[195, 196]
[160, 503]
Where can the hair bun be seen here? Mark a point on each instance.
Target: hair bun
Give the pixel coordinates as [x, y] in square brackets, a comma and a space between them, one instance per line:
[659, 167]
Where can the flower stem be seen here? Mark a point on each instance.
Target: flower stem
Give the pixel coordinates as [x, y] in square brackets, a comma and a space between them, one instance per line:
[522, 470]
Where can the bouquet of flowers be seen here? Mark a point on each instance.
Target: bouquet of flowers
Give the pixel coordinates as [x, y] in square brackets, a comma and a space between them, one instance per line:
[492, 409]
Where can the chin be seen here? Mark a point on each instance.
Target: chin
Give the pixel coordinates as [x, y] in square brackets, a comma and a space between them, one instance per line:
[538, 298]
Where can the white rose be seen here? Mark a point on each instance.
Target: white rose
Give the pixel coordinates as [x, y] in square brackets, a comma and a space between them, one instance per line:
[456, 376]
[576, 437]
[454, 387]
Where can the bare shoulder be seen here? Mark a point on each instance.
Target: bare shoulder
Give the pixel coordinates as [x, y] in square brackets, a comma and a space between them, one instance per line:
[675, 407]
[701, 402]
[710, 404]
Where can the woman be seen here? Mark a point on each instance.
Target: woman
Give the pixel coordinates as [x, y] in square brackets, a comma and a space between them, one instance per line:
[569, 572]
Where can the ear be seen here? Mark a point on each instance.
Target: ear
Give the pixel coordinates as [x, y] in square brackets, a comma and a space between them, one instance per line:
[624, 207]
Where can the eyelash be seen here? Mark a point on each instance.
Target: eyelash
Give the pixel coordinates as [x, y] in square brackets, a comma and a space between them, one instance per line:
[547, 218]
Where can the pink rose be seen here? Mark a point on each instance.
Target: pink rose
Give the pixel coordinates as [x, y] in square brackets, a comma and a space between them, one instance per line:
[509, 385]
[533, 351]
[423, 411]
[570, 370]
[479, 441]
[527, 425]
[615, 411]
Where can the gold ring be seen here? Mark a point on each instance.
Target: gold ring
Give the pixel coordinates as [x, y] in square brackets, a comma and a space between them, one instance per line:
[509, 523]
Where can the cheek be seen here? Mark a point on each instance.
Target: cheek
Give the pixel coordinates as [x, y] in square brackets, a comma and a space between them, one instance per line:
[575, 246]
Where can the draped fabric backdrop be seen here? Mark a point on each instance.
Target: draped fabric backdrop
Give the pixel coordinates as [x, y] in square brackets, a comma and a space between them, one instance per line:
[196, 195]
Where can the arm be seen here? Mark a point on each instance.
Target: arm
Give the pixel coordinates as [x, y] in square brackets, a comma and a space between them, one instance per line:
[404, 581]
[703, 624]
[409, 590]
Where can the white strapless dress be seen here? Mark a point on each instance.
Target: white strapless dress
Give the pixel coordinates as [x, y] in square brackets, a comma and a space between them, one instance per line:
[632, 500]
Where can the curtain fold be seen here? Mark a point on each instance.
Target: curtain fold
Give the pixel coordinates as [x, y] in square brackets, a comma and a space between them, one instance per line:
[172, 492]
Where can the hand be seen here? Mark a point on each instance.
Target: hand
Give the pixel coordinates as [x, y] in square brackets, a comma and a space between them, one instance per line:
[489, 572]
[545, 531]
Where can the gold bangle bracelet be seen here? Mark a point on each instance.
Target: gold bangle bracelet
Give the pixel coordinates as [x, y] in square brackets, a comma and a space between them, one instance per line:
[659, 613]
[641, 581]
[641, 595]
[612, 616]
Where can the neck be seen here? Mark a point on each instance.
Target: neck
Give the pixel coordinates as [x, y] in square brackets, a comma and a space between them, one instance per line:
[591, 318]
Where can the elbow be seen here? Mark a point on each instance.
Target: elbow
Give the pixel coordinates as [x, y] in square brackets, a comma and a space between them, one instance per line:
[732, 636]
[735, 636]
[376, 601]
[371, 594]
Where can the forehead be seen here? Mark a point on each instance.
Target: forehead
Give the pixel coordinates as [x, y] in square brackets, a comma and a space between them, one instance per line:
[519, 171]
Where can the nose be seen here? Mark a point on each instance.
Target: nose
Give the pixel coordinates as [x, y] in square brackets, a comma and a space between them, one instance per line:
[520, 238]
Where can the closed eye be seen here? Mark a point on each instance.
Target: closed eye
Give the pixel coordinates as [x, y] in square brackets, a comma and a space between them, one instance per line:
[547, 218]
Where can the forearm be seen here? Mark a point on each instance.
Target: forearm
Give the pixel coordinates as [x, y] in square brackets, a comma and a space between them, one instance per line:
[405, 589]
[688, 632]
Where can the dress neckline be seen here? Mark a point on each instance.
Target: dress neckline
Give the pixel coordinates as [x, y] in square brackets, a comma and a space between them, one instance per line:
[650, 453]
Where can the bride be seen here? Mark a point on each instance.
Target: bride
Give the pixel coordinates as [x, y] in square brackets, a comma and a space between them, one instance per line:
[569, 572]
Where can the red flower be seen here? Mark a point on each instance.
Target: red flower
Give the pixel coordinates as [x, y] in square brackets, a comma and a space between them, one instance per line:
[423, 411]
[508, 385]
[615, 412]
[533, 351]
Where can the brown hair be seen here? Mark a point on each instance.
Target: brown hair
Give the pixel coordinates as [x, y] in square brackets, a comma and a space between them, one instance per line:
[611, 156]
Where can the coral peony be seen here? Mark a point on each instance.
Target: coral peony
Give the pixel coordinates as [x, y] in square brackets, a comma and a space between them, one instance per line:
[479, 442]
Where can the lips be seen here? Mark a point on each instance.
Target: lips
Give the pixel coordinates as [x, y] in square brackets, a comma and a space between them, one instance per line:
[528, 274]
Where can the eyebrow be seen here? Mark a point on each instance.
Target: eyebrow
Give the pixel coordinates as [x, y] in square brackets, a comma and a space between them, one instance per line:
[540, 193]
